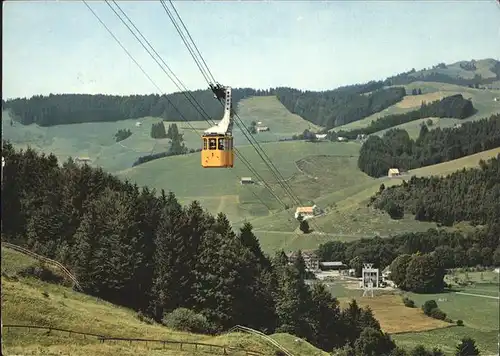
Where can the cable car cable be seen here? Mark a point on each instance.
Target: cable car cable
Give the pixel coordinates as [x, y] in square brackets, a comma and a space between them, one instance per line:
[238, 154]
[277, 174]
[153, 82]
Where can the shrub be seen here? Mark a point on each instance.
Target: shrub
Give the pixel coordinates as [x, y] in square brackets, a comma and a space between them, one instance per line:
[460, 322]
[408, 302]
[144, 318]
[183, 319]
[437, 313]
[41, 272]
[428, 306]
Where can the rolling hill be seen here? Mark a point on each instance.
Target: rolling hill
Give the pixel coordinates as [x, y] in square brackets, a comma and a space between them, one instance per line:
[324, 173]
[28, 301]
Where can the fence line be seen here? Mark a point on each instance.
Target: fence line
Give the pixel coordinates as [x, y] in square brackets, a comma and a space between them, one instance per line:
[45, 260]
[262, 336]
[103, 339]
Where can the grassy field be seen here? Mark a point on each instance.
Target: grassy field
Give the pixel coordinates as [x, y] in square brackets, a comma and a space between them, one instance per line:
[431, 91]
[220, 189]
[446, 168]
[347, 216]
[413, 127]
[410, 327]
[23, 302]
[269, 110]
[483, 68]
[479, 314]
[96, 140]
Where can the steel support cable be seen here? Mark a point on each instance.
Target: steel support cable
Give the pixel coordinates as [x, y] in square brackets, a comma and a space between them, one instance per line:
[196, 47]
[277, 175]
[285, 185]
[238, 154]
[156, 86]
[209, 83]
[272, 168]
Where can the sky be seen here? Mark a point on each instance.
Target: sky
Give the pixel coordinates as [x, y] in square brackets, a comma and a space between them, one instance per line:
[60, 47]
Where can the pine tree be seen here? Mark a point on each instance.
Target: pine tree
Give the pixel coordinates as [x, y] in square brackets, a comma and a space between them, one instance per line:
[300, 265]
[467, 347]
[293, 305]
[327, 324]
[172, 265]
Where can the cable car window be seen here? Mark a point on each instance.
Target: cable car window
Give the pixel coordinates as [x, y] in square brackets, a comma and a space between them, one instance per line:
[212, 144]
[221, 144]
[205, 144]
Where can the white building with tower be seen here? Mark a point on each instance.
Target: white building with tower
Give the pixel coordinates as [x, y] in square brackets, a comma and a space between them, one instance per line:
[369, 279]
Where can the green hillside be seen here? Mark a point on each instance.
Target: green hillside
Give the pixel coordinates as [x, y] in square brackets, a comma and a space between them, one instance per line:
[347, 216]
[28, 301]
[482, 99]
[326, 173]
[220, 189]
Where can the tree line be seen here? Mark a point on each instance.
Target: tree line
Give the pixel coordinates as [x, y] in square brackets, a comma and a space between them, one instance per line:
[340, 106]
[177, 146]
[59, 109]
[395, 149]
[143, 250]
[453, 106]
[454, 249]
[471, 195]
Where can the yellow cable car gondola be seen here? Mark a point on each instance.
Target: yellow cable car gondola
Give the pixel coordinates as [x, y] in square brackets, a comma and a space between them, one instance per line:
[217, 149]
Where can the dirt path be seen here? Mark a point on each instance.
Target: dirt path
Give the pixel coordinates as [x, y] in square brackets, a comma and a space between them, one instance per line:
[478, 295]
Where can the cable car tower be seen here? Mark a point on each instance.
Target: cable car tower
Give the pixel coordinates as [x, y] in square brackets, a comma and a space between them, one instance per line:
[218, 140]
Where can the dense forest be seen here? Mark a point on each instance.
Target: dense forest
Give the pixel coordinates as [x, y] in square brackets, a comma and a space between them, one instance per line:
[340, 106]
[418, 260]
[471, 195]
[479, 247]
[396, 149]
[454, 106]
[57, 109]
[145, 251]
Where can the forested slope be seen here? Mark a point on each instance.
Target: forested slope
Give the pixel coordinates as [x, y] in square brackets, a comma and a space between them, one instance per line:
[453, 106]
[340, 106]
[57, 109]
[131, 247]
[397, 150]
[471, 195]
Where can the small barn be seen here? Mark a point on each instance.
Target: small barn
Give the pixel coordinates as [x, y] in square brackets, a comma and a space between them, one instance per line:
[307, 212]
[82, 159]
[332, 266]
[246, 180]
[393, 172]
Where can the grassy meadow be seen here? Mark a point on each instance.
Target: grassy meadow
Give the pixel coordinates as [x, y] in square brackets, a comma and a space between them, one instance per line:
[431, 91]
[29, 301]
[409, 327]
